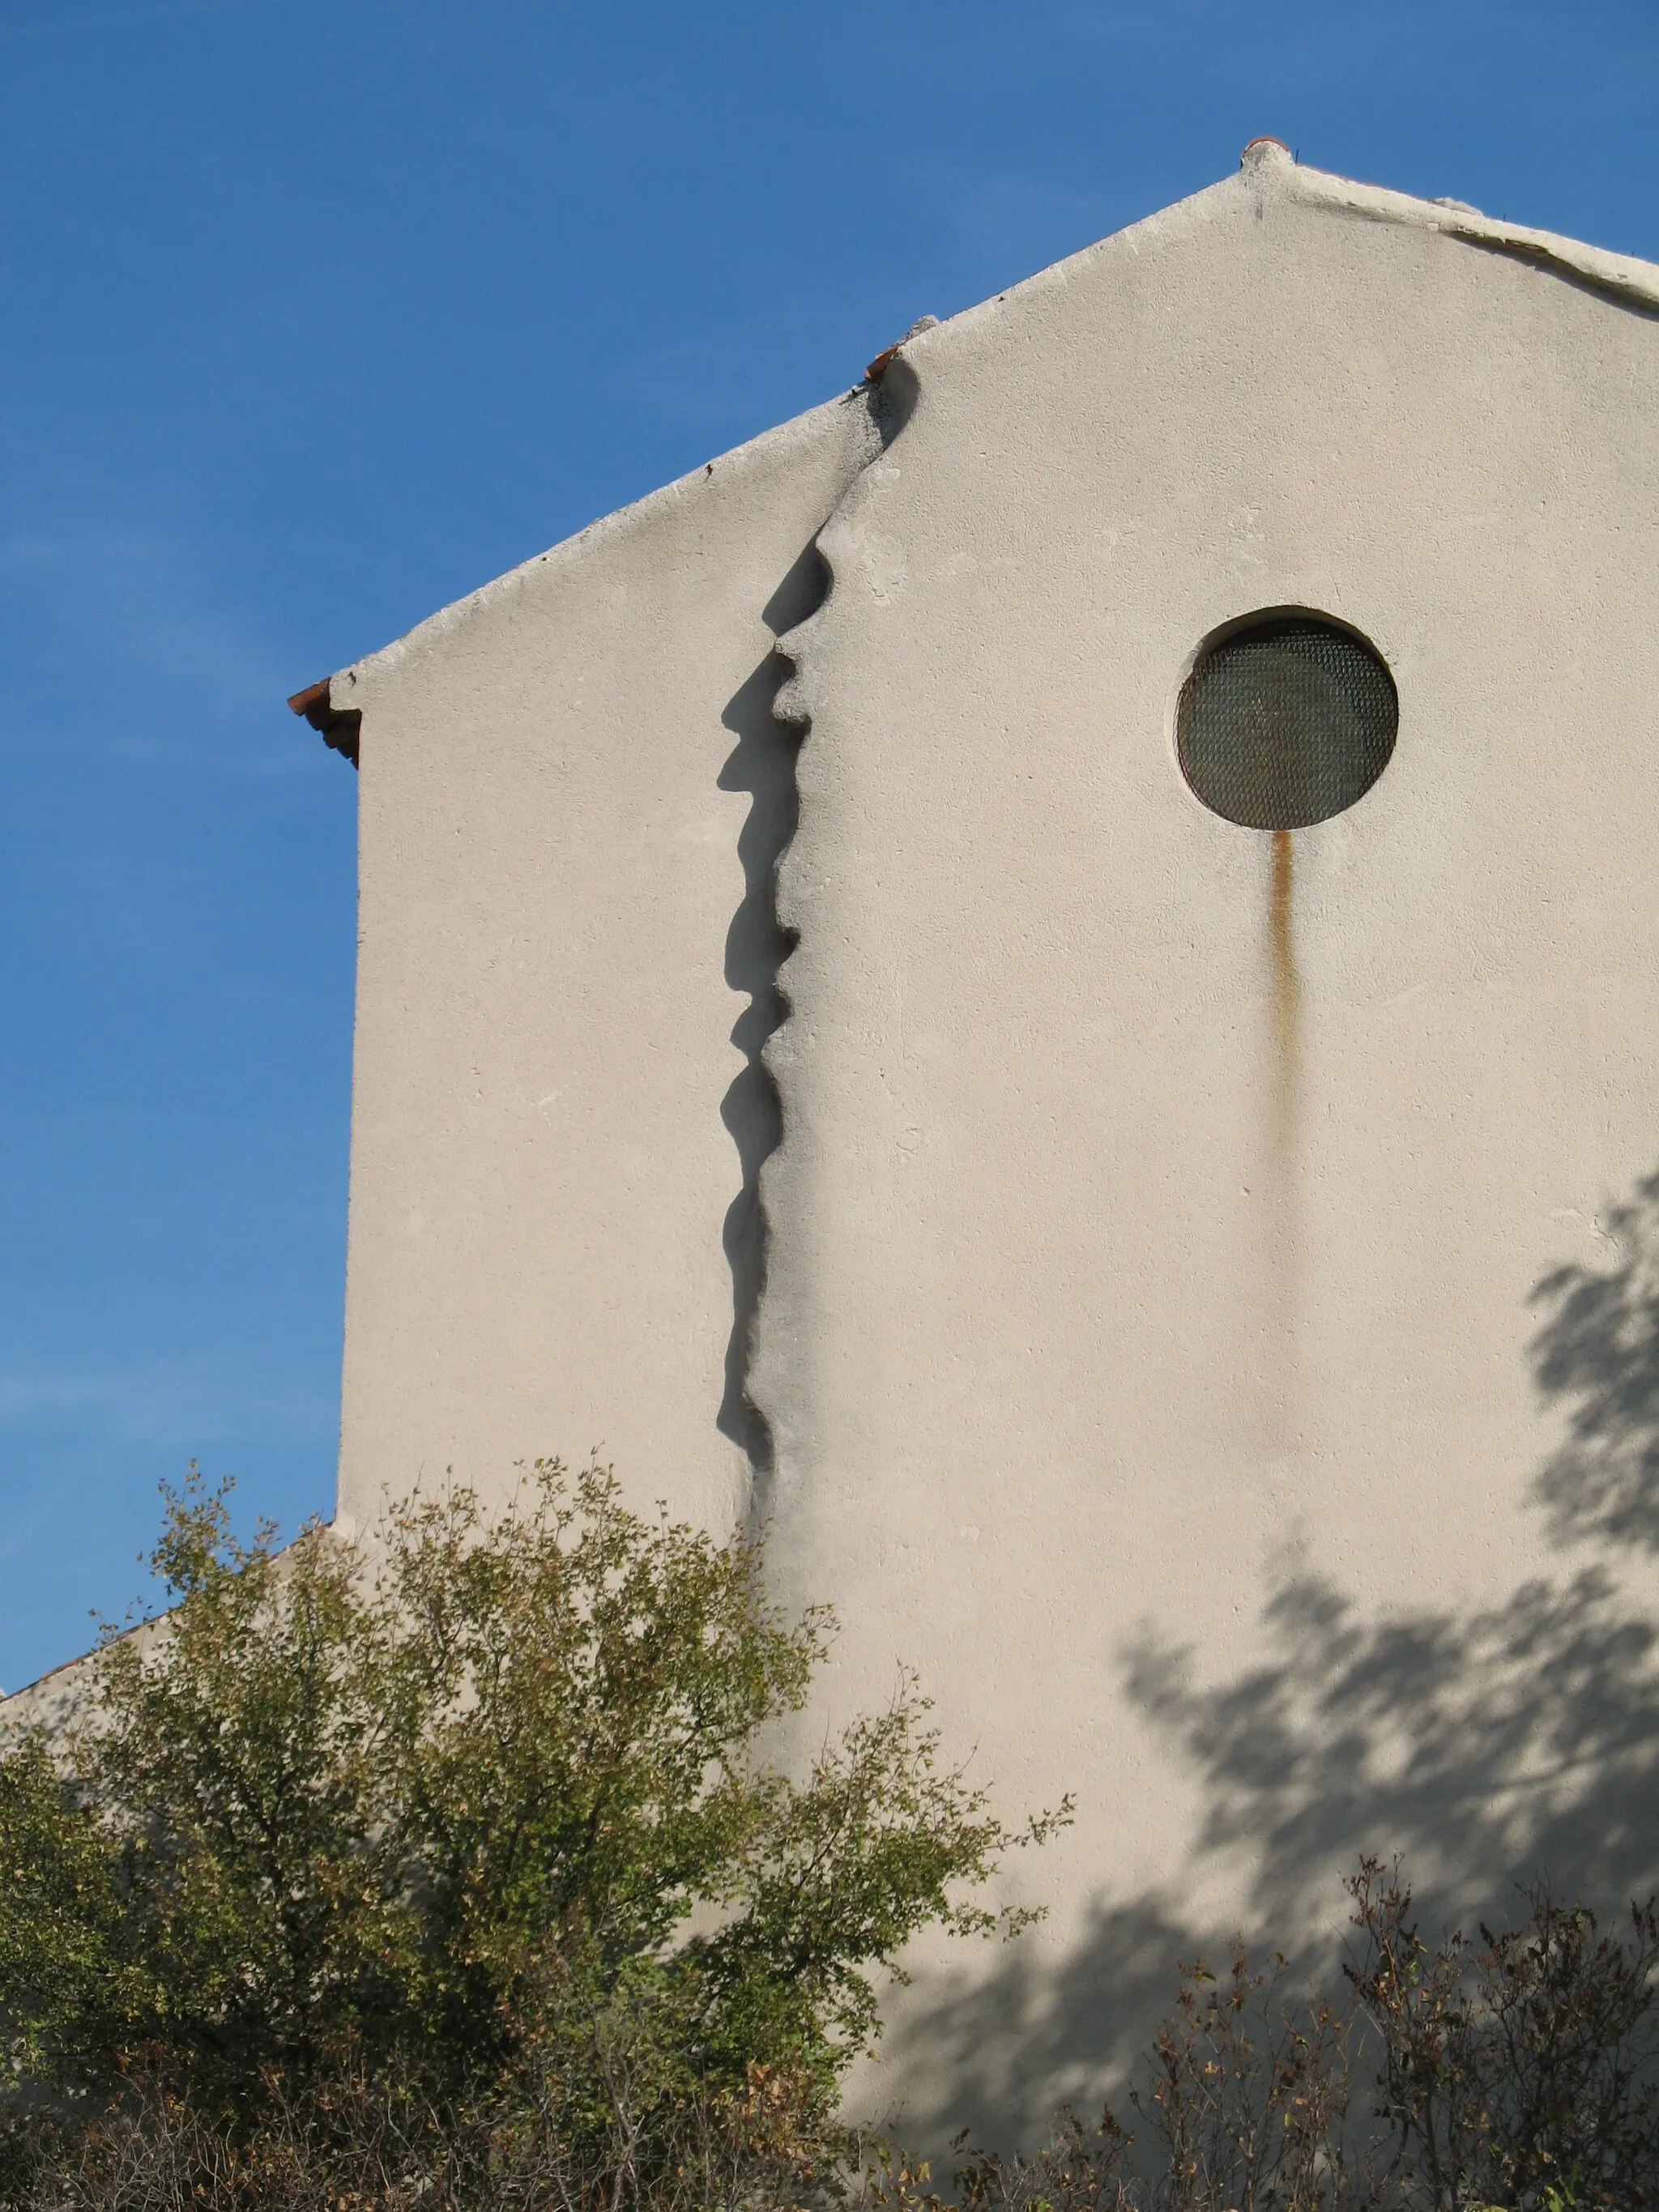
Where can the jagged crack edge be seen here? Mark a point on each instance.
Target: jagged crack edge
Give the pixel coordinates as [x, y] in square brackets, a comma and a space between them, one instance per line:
[757, 945]
[890, 404]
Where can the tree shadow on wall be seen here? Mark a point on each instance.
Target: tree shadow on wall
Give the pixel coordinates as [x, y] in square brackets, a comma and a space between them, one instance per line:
[1487, 1747]
[1597, 1356]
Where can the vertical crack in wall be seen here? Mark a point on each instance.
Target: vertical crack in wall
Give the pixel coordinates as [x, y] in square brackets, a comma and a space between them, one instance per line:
[757, 946]
[770, 731]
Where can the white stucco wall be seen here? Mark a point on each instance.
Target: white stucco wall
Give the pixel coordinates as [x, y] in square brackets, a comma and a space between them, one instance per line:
[1154, 1269]
[1135, 1284]
[550, 870]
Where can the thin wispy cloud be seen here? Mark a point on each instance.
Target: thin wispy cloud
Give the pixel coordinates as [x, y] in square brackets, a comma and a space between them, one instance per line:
[134, 616]
[100, 19]
[166, 1404]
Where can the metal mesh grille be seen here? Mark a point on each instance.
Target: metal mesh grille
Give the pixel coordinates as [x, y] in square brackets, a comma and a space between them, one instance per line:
[1286, 723]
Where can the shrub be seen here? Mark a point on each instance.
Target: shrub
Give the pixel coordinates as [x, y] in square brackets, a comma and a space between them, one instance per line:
[1519, 2074]
[1520, 2071]
[452, 1871]
[450, 1878]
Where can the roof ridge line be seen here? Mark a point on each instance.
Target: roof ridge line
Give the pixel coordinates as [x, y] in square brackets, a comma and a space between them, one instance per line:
[1624, 277]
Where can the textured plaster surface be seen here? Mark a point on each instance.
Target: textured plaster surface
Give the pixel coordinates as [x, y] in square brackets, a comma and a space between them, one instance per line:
[1159, 1201]
[555, 885]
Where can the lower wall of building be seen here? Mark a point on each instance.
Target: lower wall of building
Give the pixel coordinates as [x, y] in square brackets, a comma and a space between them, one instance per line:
[1211, 1329]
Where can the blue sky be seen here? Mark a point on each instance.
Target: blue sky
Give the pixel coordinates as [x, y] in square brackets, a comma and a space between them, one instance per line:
[319, 313]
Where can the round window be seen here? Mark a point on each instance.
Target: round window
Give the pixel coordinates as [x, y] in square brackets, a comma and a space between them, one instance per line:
[1286, 720]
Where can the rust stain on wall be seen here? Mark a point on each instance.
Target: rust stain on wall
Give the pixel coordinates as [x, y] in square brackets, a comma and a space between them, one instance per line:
[1287, 984]
[1285, 1095]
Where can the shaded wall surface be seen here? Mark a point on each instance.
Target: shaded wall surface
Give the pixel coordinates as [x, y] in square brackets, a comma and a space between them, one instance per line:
[1189, 1297]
